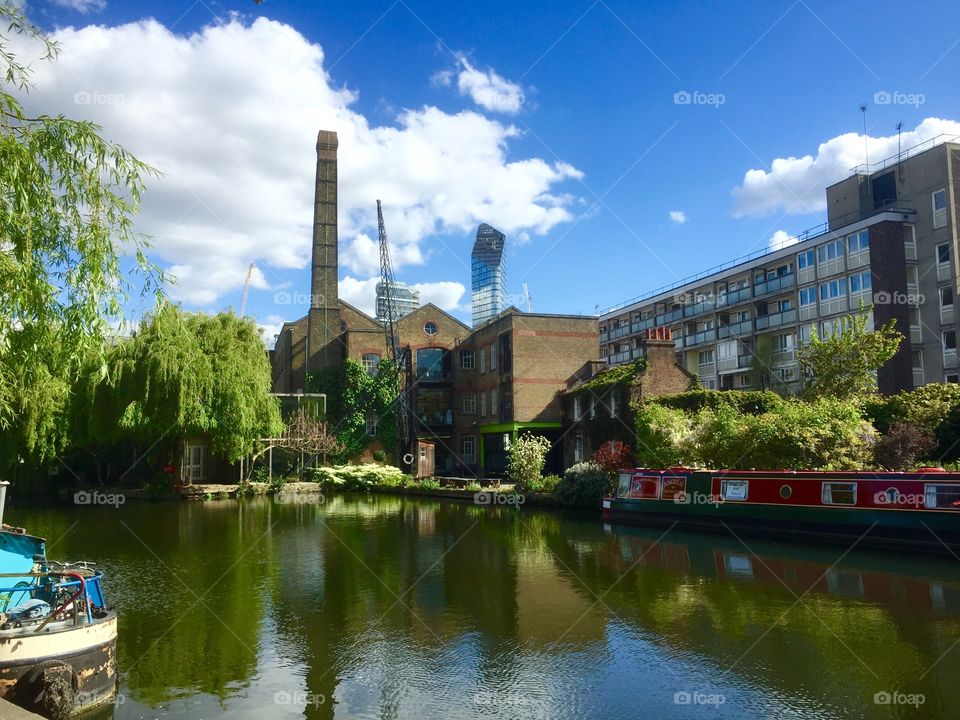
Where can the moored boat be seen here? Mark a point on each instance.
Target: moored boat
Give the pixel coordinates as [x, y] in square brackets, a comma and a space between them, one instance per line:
[921, 508]
[57, 636]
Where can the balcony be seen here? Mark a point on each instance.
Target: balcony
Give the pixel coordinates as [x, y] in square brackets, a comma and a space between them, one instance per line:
[697, 309]
[776, 319]
[946, 315]
[774, 285]
[737, 364]
[783, 357]
[733, 297]
[667, 318]
[620, 357]
[700, 337]
[949, 358]
[735, 329]
[641, 325]
[918, 377]
[619, 332]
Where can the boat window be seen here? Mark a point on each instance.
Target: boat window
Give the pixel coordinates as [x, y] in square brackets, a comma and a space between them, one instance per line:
[942, 497]
[839, 493]
[786, 491]
[735, 490]
[624, 489]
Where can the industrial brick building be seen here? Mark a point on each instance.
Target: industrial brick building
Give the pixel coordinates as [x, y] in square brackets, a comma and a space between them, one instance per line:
[890, 241]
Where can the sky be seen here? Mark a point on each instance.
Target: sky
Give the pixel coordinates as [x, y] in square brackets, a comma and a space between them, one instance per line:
[621, 146]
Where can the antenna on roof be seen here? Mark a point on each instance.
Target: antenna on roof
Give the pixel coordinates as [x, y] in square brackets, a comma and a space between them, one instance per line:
[899, 151]
[866, 152]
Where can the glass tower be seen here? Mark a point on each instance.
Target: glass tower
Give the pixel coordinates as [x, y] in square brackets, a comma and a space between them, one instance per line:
[488, 274]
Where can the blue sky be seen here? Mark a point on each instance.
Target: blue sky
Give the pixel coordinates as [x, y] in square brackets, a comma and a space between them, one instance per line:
[587, 104]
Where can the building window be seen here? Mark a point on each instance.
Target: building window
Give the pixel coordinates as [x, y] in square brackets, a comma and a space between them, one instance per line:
[577, 410]
[949, 341]
[578, 448]
[808, 296]
[860, 282]
[805, 260]
[467, 359]
[593, 406]
[371, 363]
[468, 404]
[493, 357]
[493, 402]
[858, 242]
[371, 424]
[952, 378]
[430, 364]
[430, 328]
[830, 251]
[468, 448]
[839, 493]
[706, 357]
[939, 208]
[943, 253]
[483, 360]
[946, 298]
[613, 404]
[832, 290]
[483, 404]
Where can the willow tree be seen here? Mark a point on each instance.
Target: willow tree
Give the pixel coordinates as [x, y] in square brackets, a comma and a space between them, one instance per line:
[67, 202]
[181, 374]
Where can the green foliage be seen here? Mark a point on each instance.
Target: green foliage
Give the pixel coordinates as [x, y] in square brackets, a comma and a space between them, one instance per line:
[528, 455]
[474, 487]
[546, 484]
[934, 407]
[360, 477]
[181, 374]
[352, 394]
[618, 376]
[902, 444]
[844, 364]
[428, 484]
[67, 202]
[584, 484]
[744, 401]
[662, 435]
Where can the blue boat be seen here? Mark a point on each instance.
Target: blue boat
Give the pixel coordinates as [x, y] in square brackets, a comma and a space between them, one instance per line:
[58, 638]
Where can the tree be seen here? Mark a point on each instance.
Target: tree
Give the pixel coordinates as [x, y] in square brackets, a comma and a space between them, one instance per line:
[305, 434]
[843, 365]
[67, 201]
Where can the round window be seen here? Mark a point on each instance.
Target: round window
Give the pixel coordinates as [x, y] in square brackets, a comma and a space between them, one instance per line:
[430, 328]
[786, 491]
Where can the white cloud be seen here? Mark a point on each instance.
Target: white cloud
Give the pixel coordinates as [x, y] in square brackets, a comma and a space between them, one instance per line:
[486, 88]
[795, 185]
[270, 328]
[781, 239]
[230, 116]
[82, 6]
[678, 216]
[362, 294]
[445, 295]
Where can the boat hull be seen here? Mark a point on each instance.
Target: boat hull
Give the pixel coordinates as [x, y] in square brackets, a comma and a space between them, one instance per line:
[90, 652]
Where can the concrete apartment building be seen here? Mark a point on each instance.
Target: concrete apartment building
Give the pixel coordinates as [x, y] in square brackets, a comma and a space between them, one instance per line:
[890, 241]
[405, 300]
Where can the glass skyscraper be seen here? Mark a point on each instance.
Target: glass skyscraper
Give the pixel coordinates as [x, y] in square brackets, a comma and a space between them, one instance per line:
[405, 300]
[488, 274]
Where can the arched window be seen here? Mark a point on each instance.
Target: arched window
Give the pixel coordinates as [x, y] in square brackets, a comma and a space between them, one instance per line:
[371, 363]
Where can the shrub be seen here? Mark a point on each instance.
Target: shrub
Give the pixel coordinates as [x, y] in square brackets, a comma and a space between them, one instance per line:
[902, 444]
[474, 487]
[662, 435]
[584, 484]
[528, 455]
[745, 401]
[613, 455]
[935, 407]
[359, 477]
[379, 456]
[428, 484]
[545, 484]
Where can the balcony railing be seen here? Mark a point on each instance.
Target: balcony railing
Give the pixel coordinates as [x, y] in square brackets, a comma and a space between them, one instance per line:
[700, 337]
[732, 297]
[783, 357]
[619, 332]
[697, 309]
[741, 328]
[774, 285]
[776, 319]
[620, 357]
[641, 325]
[669, 317]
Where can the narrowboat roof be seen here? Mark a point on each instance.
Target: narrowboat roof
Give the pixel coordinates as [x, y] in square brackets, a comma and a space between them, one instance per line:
[931, 472]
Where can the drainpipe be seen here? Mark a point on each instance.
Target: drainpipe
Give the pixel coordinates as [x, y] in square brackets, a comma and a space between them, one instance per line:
[3, 498]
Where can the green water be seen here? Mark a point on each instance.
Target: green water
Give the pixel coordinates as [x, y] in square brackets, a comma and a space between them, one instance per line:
[407, 608]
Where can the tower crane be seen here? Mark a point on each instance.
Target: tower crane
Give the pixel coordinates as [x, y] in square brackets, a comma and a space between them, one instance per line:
[246, 291]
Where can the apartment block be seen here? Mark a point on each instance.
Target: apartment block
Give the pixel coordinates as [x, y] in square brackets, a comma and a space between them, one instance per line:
[890, 242]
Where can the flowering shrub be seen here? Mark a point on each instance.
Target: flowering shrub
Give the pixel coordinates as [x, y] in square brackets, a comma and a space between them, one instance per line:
[528, 455]
[613, 455]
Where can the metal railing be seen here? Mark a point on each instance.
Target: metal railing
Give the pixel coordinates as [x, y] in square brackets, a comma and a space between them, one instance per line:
[870, 168]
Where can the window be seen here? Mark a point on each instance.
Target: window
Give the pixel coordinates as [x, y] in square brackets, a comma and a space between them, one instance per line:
[430, 328]
[483, 360]
[808, 296]
[839, 493]
[593, 406]
[830, 251]
[493, 357]
[468, 448]
[577, 409]
[493, 402]
[578, 449]
[430, 364]
[193, 462]
[858, 241]
[860, 282]
[943, 253]
[706, 357]
[613, 404]
[805, 260]
[832, 290]
[952, 378]
[782, 343]
[939, 199]
[467, 359]
[468, 403]
[727, 350]
[735, 490]
[371, 363]
[371, 424]
[944, 497]
[946, 297]
[483, 404]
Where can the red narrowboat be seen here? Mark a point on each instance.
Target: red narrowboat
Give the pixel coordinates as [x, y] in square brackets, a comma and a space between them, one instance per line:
[921, 507]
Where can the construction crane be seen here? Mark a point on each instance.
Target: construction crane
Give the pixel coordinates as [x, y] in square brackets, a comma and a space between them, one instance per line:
[400, 356]
[246, 291]
[527, 299]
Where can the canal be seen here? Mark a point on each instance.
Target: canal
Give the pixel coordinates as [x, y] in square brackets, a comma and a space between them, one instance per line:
[389, 607]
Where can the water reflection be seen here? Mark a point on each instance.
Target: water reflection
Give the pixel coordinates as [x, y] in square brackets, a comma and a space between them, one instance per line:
[376, 606]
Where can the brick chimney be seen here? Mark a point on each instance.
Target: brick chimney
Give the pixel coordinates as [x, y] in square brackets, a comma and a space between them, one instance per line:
[663, 375]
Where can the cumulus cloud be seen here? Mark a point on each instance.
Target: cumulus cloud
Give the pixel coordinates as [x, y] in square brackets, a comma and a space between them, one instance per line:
[229, 115]
[270, 328]
[795, 185]
[781, 239]
[486, 88]
[445, 295]
[82, 6]
[678, 216]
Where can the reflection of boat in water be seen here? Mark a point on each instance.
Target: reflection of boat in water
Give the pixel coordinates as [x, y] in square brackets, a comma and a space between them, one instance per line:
[921, 508]
[57, 637]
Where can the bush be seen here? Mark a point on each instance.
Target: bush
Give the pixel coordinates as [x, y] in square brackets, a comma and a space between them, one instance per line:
[613, 455]
[744, 401]
[934, 407]
[584, 484]
[427, 484]
[360, 477]
[662, 435]
[474, 487]
[528, 455]
[545, 484]
[379, 456]
[902, 444]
